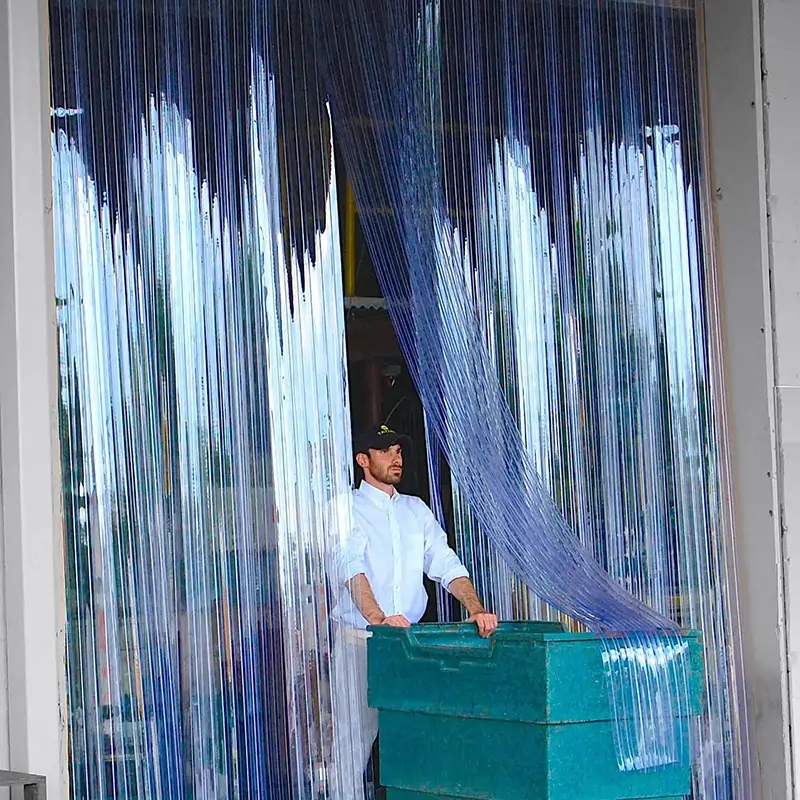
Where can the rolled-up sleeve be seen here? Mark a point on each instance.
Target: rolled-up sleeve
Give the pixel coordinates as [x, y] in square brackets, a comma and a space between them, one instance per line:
[348, 543]
[441, 564]
[350, 559]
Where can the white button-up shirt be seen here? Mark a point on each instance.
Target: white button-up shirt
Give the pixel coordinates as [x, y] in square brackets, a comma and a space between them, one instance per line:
[394, 540]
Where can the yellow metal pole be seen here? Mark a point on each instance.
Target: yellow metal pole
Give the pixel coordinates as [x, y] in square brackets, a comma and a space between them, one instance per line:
[349, 242]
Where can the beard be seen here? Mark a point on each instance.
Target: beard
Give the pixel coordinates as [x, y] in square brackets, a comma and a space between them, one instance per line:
[387, 475]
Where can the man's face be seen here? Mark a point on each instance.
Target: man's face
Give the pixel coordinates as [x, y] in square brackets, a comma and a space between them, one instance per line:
[386, 465]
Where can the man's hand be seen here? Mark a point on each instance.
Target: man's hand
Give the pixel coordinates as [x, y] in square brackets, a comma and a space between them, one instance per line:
[484, 621]
[397, 621]
[463, 590]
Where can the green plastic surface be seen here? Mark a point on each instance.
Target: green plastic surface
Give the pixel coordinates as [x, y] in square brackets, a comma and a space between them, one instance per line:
[527, 671]
[402, 794]
[525, 714]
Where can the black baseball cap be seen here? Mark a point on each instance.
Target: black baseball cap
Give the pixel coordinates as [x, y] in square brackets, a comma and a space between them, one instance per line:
[379, 437]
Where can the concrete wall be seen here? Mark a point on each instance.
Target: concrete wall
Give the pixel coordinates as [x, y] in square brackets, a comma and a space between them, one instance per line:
[31, 601]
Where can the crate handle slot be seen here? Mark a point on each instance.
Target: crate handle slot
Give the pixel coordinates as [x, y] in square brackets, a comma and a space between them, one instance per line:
[435, 643]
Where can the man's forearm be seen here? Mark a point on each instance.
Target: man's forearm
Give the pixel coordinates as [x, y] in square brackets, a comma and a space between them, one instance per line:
[463, 590]
[365, 601]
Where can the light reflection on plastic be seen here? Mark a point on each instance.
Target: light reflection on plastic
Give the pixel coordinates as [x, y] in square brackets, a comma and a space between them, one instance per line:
[205, 430]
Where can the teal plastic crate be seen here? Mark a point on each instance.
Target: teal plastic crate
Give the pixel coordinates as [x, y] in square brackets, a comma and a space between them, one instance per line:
[402, 794]
[524, 714]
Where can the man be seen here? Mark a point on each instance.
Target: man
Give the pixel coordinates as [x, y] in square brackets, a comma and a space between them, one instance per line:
[378, 580]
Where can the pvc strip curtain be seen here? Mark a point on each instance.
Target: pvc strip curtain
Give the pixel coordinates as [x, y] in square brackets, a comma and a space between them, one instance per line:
[195, 214]
[541, 166]
[424, 259]
[621, 421]
[203, 407]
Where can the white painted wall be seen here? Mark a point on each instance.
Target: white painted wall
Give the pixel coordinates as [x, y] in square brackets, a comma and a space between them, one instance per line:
[754, 100]
[32, 585]
[781, 62]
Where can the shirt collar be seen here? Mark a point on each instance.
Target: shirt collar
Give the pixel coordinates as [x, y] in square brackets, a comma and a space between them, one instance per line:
[378, 497]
